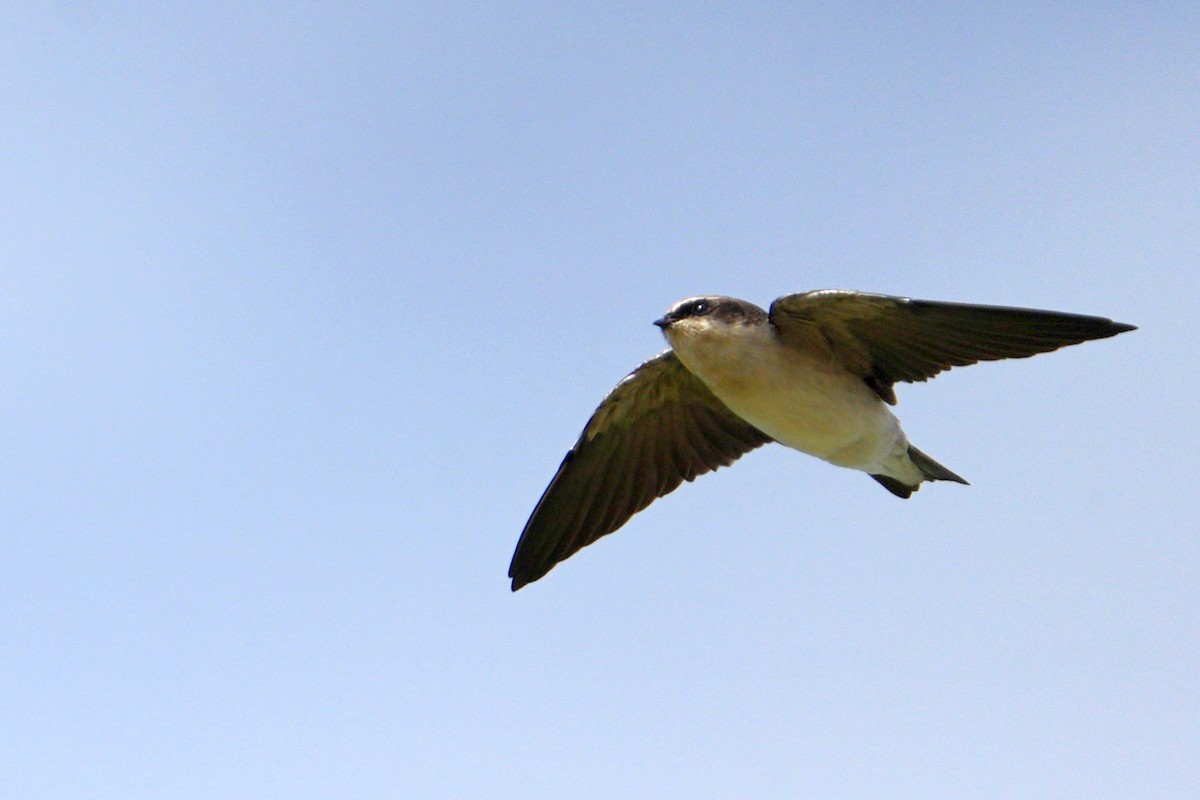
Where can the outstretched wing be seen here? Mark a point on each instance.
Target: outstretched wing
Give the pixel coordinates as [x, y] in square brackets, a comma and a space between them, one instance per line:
[890, 339]
[659, 427]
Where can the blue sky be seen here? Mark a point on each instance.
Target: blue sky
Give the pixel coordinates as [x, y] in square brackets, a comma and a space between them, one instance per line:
[302, 305]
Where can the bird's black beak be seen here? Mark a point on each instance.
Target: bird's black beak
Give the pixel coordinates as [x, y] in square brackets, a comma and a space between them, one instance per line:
[664, 322]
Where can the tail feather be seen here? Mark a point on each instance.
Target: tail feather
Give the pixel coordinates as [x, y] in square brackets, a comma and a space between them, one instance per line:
[930, 469]
[898, 488]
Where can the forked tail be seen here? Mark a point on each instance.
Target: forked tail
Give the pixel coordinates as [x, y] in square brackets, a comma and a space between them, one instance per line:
[930, 469]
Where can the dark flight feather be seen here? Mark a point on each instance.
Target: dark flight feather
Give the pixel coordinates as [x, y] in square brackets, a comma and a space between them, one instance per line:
[659, 427]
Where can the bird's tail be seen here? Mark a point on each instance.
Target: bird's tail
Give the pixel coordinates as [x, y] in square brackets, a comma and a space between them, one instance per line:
[930, 470]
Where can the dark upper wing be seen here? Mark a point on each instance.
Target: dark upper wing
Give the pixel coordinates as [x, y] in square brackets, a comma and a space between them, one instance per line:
[889, 339]
[658, 427]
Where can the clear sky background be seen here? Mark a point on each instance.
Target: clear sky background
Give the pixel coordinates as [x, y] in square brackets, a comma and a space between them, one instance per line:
[302, 305]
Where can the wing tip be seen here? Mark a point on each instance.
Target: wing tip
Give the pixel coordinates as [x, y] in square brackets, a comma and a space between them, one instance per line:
[526, 573]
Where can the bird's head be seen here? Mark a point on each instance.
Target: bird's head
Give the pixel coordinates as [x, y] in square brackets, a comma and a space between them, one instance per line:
[708, 317]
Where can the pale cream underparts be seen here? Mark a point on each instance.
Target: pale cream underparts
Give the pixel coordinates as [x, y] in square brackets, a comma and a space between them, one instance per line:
[804, 400]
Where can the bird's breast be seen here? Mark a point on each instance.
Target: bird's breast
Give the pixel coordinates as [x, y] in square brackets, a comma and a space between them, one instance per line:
[803, 400]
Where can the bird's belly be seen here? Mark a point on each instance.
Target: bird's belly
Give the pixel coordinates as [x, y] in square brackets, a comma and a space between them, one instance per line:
[810, 406]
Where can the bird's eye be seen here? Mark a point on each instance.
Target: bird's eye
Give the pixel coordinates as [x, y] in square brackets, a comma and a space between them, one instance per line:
[700, 307]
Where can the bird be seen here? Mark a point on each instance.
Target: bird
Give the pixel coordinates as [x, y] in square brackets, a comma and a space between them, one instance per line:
[816, 373]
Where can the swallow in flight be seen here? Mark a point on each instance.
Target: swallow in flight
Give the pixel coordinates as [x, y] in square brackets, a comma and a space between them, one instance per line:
[815, 373]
